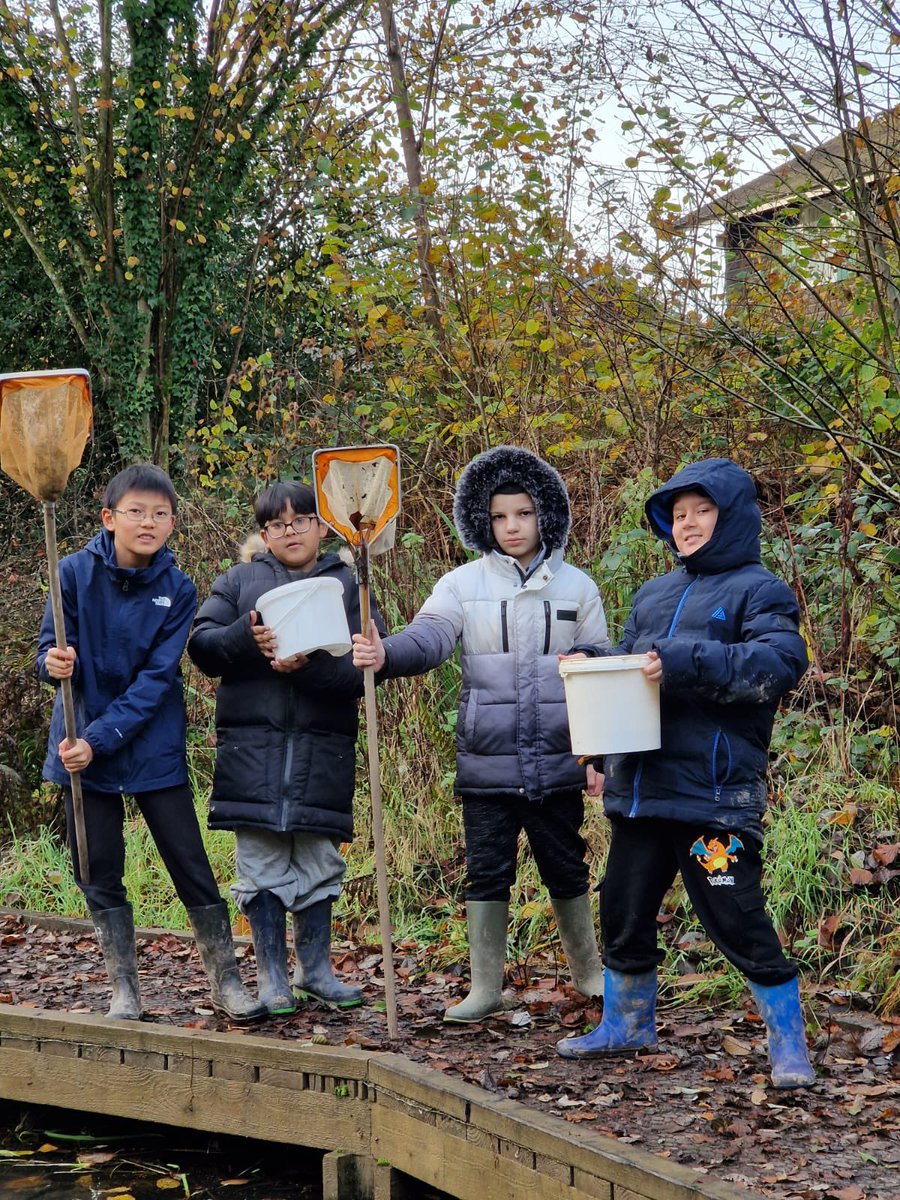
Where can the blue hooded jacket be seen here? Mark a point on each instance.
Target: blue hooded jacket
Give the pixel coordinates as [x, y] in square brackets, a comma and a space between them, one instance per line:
[129, 627]
[727, 632]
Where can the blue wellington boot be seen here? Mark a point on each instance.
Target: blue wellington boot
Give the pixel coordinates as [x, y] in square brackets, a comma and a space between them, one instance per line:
[779, 1007]
[629, 1019]
[266, 915]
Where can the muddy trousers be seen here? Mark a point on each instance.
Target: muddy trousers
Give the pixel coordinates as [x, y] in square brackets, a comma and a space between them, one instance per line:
[552, 826]
[721, 872]
[173, 825]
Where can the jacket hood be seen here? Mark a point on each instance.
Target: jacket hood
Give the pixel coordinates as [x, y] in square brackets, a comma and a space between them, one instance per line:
[505, 465]
[735, 539]
[103, 546]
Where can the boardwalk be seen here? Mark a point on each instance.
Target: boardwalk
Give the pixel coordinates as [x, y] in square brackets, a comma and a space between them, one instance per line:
[381, 1121]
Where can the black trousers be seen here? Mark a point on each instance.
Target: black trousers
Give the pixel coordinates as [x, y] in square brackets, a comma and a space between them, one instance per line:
[552, 826]
[173, 824]
[721, 873]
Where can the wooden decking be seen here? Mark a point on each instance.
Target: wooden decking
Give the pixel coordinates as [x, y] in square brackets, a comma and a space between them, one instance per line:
[382, 1121]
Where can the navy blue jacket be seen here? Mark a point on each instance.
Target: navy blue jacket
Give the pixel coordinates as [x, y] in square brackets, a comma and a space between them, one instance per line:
[727, 632]
[286, 742]
[128, 626]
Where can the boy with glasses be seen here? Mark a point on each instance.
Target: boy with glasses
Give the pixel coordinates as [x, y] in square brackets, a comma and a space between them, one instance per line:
[286, 751]
[128, 611]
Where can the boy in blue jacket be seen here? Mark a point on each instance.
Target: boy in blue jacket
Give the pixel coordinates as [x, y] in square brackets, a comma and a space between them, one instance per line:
[724, 643]
[128, 610]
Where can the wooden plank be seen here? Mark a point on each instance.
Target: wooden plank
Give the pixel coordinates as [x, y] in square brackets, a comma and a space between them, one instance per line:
[593, 1154]
[239, 1048]
[467, 1169]
[174, 1098]
[413, 1082]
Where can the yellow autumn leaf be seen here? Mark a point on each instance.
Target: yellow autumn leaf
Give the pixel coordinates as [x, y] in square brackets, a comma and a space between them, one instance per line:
[138, 102]
[532, 326]
[168, 1183]
[428, 186]
[547, 344]
[868, 529]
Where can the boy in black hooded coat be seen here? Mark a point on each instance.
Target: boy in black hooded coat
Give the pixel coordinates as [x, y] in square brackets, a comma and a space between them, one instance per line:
[722, 633]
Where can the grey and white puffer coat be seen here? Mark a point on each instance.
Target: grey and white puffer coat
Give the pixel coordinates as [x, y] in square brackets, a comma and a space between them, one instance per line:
[512, 733]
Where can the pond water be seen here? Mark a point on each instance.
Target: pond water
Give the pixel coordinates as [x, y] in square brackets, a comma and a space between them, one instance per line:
[58, 1155]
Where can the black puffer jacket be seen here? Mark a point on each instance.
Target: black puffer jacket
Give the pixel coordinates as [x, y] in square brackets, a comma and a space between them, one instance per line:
[286, 742]
[727, 632]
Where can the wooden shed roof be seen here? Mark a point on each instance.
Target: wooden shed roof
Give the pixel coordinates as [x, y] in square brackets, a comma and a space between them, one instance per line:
[808, 174]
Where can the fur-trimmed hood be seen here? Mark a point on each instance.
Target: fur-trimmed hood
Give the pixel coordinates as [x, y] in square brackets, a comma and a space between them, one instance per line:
[505, 465]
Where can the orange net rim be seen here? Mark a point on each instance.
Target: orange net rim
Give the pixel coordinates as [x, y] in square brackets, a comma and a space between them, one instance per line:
[322, 462]
[43, 379]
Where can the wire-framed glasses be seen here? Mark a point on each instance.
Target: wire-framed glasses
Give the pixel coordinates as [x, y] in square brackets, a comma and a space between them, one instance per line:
[277, 529]
[135, 515]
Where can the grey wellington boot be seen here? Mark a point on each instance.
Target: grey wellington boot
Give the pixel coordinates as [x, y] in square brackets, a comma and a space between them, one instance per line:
[487, 921]
[313, 973]
[212, 933]
[268, 925]
[575, 922]
[115, 933]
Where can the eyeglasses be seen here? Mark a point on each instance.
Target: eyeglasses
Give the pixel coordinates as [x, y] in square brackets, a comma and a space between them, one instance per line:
[136, 515]
[277, 529]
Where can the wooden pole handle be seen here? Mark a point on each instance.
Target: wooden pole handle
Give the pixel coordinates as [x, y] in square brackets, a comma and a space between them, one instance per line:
[65, 685]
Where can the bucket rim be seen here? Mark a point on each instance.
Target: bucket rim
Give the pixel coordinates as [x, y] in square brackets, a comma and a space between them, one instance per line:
[610, 662]
[298, 586]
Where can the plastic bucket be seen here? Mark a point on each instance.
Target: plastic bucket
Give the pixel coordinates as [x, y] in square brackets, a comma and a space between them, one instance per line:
[307, 615]
[613, 707]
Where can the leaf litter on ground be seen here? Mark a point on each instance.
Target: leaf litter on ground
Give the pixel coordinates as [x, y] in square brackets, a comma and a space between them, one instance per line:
[704, 1099]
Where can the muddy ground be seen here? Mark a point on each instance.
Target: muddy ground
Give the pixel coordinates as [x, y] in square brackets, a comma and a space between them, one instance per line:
[704, 1099]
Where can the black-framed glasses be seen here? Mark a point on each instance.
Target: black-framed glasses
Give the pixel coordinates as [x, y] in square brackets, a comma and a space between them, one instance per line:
[136, 515]
[277, 529]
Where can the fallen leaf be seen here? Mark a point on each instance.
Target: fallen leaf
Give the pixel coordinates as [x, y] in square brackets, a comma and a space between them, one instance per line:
[850, 1192]
[733, 1045]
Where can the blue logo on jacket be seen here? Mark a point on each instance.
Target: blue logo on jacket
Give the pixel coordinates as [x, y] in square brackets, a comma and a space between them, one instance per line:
[718, 615]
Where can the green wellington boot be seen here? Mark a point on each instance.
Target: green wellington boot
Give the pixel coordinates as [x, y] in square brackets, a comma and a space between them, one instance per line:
[487, 922]
[575, 922]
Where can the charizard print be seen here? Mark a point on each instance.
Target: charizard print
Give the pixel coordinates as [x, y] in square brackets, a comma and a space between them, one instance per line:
[715, 855]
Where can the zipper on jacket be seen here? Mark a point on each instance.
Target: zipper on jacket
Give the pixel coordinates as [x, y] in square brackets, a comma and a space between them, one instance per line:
[504, 626]
[285, 780]
[636, 791]
[717, 787]
[678, 610]
[546, 626]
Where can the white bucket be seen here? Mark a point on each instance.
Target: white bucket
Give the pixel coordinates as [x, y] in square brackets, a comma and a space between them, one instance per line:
[306, 615]
[613, 707]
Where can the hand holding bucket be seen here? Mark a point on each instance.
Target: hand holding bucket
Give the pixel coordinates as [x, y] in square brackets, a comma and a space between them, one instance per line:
[613, 706]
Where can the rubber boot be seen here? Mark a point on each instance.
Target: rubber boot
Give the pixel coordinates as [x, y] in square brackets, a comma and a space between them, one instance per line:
[575, 923]
[115, 933]
[266, 915]
[629, 1019]
[313, 973]
[487, 921]
[212, 933]
[779, 1007]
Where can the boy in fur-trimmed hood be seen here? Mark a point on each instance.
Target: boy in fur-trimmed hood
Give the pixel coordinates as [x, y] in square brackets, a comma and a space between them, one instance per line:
[511, 611]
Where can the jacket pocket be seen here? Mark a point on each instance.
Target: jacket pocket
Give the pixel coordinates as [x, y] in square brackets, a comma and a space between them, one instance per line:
[248, 764]
[722, 763]
[323, 772]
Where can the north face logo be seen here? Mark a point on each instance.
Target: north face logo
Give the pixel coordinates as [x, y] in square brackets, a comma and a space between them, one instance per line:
[166, 602]
[718, 615]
